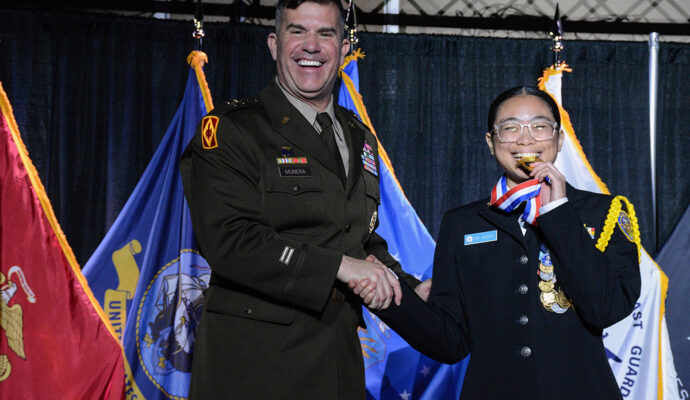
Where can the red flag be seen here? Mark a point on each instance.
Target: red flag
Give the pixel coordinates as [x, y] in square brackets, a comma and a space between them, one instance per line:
[55, 341]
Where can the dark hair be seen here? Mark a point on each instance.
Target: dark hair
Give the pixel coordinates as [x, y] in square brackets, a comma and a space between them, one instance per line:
[519, 91]
[293, 4]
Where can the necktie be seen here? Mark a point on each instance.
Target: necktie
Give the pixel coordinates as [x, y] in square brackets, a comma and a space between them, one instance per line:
[328, 136]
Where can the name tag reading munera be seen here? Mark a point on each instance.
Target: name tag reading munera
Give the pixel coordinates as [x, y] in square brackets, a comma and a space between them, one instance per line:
[294, 171]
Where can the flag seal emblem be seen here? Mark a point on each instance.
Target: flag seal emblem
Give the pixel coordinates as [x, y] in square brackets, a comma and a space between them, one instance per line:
[11, 318]
[167, 320]
[209, 126]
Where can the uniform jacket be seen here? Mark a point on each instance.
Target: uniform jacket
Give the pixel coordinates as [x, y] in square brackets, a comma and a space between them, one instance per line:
[273, 219]
[485, 301]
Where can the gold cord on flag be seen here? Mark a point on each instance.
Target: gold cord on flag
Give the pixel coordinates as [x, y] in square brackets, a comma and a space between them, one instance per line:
[362, 111]
[197, 59]
[567, 125]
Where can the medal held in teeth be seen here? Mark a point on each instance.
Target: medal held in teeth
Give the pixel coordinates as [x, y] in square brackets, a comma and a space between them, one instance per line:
[525, 162]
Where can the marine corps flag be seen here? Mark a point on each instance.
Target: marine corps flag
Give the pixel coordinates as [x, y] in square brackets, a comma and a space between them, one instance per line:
[55, 342]
[147, 273]
[637, 347]
[394, 370]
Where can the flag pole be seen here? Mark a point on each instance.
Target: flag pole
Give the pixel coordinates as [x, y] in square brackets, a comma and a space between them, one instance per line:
[653, 85]
[351, 26]
[198, 26]
[556, 34]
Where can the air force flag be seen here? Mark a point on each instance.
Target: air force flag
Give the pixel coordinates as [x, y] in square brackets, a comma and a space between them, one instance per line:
[394, 370]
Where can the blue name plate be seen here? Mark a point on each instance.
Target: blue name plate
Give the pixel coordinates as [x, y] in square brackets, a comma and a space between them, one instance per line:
[480, 237]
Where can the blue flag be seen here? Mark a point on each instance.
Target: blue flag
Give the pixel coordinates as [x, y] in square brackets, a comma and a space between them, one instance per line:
[147, 273]
[394, 370]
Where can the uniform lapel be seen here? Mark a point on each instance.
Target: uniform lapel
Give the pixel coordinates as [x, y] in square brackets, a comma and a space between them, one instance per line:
[354, 137]
[292, 125]
[507, 223]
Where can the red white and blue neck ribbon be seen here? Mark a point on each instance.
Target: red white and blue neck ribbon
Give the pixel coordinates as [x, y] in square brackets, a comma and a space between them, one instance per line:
[508, 200]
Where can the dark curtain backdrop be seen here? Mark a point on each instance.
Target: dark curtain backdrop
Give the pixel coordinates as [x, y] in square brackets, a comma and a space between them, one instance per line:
[93, 95]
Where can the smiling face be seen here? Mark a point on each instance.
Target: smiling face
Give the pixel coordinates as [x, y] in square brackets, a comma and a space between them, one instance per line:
[308, 48]
[522, 109]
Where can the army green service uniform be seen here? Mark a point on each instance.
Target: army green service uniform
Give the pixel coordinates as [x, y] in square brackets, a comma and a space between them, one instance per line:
[273, 219]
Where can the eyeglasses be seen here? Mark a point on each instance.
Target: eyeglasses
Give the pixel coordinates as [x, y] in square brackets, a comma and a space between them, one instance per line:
[540, 130]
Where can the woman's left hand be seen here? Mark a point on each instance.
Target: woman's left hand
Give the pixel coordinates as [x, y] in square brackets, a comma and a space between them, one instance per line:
[553, 190]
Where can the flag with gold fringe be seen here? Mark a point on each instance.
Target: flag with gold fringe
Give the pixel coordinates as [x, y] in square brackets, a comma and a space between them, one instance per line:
[55, 341]
[147, 272]
[394, 370]
[637, 347]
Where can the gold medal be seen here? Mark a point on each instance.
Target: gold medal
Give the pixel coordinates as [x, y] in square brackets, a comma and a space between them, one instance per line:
[546, 286]
[548, 298]
[545, 269]
[562, 299]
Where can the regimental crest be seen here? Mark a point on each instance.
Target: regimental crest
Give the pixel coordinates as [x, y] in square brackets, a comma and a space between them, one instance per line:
[167, 321]
[11, 317]
[209, 127]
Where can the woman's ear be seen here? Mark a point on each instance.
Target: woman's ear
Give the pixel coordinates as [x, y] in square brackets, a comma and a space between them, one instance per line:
[490, 142]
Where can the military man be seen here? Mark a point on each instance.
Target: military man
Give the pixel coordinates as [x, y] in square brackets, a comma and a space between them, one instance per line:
[283, 192]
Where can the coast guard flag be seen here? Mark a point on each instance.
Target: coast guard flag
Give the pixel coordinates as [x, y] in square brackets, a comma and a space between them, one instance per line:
[637, 347]
[394, 370]
[55, 342]
[147, 273]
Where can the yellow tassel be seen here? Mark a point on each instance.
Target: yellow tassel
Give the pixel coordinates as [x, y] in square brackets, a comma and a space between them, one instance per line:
[356, 55]
[612, 219]
[196, 60]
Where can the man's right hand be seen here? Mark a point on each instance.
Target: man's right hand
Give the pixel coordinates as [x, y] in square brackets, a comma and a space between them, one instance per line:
[382, 283]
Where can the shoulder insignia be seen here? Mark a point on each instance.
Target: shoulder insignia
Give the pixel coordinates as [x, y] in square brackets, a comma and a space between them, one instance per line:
[242, 103]
[355, 115]
[625, 225]
[209, 127]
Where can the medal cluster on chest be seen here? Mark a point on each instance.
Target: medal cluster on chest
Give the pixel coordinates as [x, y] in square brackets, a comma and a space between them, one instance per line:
[552, 296]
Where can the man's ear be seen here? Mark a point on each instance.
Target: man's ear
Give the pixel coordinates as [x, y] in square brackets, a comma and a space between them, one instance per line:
[344, 49]
[273, 45]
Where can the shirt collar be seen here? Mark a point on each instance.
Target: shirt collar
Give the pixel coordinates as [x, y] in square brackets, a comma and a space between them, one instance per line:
[307, 111]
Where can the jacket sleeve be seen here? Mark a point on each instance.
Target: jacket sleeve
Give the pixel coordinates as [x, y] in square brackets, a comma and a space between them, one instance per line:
[437, 328]
[377, 246]
[603, 286]
[222, 189]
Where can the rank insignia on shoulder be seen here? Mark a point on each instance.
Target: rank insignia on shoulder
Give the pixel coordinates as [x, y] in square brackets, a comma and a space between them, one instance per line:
[626, 226]
[368, 159]
[209, 127]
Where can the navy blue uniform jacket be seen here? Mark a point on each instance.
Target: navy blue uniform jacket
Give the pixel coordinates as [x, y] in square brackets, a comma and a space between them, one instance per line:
[485, 301]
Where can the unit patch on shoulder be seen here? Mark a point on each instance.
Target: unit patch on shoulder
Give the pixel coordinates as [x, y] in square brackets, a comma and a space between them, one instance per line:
[209, 127]
[626, 226]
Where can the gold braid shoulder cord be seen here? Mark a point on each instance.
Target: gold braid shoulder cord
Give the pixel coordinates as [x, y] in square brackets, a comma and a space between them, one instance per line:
[611, 220]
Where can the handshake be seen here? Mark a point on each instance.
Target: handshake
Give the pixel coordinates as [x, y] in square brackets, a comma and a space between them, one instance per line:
[375, 283]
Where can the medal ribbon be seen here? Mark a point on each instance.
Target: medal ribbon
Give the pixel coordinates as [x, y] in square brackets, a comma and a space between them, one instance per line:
[508, 200]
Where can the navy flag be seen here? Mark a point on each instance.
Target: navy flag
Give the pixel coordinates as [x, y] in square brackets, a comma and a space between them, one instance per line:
[146, 273]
